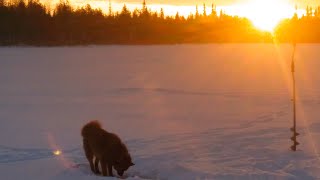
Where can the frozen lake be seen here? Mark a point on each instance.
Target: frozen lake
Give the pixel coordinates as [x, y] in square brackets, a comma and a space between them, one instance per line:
[194, 103]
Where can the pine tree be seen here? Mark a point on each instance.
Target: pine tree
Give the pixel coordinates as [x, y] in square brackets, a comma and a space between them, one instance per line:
[125, 13]
[213, 10]
[204, 10]
[221, 14]
[309, 11]
[295, 16]
[191, 17]
[144, 6]
[177, 18]
[144, 10]
[135, 13]
[161, 14]
[197, 12]
[110, 8]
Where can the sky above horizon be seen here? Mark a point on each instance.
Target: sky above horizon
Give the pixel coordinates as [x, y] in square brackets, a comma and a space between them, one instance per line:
[263, 13]
[185, 7]
[173, 6]
[302, 3]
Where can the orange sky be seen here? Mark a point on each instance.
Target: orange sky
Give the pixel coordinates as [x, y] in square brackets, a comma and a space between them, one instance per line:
[233, 7]
[218, 2]
[301, 3]
[185, 7]
[263, 13]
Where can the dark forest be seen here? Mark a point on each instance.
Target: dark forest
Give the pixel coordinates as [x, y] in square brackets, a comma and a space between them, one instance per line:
[32, 23]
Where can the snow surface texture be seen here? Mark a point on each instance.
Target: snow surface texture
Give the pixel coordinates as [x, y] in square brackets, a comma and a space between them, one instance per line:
[185, 111]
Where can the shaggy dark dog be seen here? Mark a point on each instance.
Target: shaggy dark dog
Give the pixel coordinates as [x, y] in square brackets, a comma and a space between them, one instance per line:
[106, 148]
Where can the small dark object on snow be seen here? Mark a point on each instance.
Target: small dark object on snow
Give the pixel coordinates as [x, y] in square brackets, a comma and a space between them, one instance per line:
[106, 148]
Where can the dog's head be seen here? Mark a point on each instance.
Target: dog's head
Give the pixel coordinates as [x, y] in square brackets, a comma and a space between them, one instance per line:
[123, 164]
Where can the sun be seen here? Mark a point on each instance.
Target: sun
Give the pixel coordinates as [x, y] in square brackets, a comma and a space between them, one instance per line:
[266, 14]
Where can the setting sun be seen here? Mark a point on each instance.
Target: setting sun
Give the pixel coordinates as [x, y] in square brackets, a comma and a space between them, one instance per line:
[264, 14]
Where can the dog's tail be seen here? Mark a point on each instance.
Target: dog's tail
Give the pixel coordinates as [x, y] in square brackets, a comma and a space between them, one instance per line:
[90, 128]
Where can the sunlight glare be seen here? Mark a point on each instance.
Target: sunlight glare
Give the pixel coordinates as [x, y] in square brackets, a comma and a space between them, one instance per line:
[266, 14]
[57, 152]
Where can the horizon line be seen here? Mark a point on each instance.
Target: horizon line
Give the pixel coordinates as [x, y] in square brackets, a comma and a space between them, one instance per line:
[169, 9]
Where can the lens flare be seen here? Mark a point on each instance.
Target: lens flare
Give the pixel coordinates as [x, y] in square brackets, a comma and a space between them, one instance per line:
[57, 152]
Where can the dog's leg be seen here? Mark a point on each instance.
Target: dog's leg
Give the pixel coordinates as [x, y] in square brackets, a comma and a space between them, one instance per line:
[104, 168]
[96, 166]
[88, 153]
[110, 170]
[91, 165]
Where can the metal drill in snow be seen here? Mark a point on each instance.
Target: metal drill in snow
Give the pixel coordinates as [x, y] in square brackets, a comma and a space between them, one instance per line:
[294, 128]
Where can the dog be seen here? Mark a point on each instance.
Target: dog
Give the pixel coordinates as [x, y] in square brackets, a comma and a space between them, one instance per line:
[105, 148]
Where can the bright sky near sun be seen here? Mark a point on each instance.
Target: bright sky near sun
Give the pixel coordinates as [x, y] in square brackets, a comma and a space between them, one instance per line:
[264, 14]
[218, 2]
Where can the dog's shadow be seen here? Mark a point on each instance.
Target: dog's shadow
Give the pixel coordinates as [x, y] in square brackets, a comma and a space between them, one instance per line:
[84, 168]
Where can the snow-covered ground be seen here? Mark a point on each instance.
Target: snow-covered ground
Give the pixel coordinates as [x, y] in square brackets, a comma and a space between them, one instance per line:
[185, 111]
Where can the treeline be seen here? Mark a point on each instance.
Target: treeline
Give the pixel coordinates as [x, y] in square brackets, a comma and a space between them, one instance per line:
[301, 30]
[32, 23]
